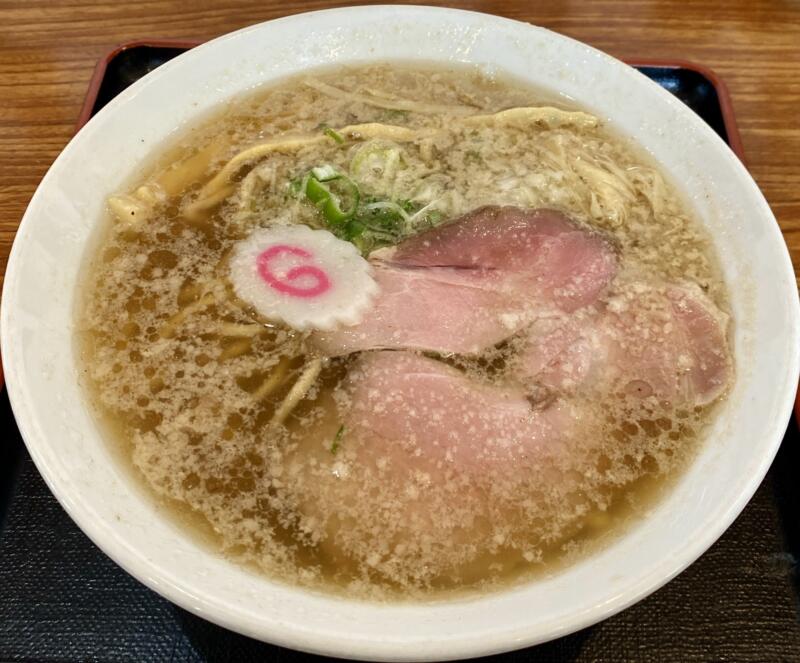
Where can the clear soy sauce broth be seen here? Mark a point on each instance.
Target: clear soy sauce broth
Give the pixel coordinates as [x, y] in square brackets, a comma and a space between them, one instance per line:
[187, 379]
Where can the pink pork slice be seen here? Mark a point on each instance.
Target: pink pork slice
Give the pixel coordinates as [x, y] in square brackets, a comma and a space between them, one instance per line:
[430, 417]
[669, 342]
[435, 308]
[469, 284]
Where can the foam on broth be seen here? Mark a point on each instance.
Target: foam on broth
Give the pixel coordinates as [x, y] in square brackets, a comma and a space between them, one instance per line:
[186, 378]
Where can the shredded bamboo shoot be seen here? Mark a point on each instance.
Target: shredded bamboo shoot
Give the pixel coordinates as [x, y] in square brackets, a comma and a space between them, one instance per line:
[387, 103]
[273, 381]
[299, 390]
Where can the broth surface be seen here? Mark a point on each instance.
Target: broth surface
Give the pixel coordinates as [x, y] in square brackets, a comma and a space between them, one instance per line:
[187, 378]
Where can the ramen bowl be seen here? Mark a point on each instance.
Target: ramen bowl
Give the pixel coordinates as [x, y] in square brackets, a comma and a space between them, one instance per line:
[41, 367]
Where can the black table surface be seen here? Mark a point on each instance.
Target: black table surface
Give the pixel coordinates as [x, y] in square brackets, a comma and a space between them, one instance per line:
[63, 600]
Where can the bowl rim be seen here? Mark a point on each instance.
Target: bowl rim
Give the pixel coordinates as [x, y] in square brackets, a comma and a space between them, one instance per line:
[291, 635]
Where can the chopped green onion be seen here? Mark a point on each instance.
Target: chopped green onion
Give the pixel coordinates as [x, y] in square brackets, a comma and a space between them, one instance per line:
[325, 172]
[409, 206]
[297, 186]
[337, 439]
[353, 229]
[390, 206]
[333, 134]
[319, 189]
[369, 222]
[428, 213]
[434, 217]
[375, 164]
[363, 244]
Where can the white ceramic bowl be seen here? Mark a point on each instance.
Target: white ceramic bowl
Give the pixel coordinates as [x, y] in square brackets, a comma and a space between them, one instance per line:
[37, 328]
